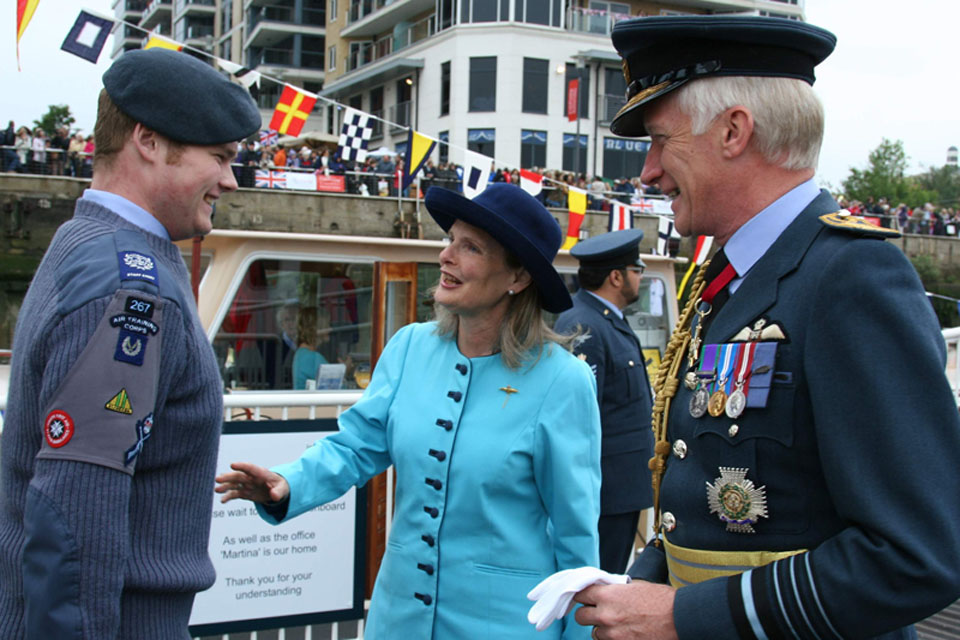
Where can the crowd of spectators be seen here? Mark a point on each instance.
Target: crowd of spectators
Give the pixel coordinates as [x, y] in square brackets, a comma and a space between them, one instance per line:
[928, 219]
[62, 154]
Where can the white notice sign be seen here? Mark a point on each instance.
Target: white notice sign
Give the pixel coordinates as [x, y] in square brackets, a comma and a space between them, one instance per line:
[305, 566]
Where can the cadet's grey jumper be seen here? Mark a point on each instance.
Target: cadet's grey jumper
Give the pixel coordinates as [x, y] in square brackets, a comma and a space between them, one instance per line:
[110, 441]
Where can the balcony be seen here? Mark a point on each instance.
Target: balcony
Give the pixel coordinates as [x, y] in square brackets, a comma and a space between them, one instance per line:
[609, 106]
[157, 12]
[270, 25]
[786, 7]
[370, 52]
[129, 10]
[367, 18]
[200, 36]
[400, 117]
[194, 9]
[595, 21]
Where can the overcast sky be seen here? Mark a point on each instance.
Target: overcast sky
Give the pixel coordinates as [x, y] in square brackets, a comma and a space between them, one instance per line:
[892, 75]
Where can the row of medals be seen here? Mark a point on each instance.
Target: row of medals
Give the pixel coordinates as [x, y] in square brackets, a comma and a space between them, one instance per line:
[702, 401]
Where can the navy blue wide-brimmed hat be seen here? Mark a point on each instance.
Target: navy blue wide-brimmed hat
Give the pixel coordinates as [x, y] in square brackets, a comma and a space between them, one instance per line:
[616, 250]
[181, 97]
[516, 220]
[663, 53]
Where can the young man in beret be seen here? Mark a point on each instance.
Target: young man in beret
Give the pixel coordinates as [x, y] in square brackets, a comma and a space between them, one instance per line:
[609, 275]
[804, 426]
[115, 402]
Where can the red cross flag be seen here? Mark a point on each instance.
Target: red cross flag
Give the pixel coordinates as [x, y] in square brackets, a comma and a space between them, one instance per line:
[292, 111]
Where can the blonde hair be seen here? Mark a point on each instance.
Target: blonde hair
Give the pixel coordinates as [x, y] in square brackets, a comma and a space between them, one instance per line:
[524, 332]
[788, 116]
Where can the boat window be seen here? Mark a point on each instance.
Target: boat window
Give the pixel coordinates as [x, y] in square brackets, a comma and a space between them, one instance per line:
[291, 322]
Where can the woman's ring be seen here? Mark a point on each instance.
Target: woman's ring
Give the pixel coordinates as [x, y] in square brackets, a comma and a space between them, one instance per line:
[593, 634]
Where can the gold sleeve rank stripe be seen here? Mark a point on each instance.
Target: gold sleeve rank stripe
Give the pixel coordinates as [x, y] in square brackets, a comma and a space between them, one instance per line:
[845, 221]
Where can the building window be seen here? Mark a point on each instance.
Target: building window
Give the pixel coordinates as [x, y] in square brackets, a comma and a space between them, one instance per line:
[332, 58]
[445, 14]
[376, 109]
[225, 49]
[331, 114]
[484, 10]
[574, 155]
[356, 102]
[584, 75]
[444, 137]
[536, 75]
[483, 84]
[614, 92]
[256, 344]
[333, 10]
[482, 141]
[533, 149]
[538, 11]
[445, 88]
[623, 158]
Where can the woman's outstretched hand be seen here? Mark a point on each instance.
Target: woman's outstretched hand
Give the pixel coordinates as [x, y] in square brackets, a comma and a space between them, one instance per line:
[250, 482]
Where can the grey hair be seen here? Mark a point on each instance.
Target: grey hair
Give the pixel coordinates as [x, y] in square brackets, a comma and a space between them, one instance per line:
[788, 116]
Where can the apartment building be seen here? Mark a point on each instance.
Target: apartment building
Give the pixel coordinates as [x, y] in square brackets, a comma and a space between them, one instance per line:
[488, 75]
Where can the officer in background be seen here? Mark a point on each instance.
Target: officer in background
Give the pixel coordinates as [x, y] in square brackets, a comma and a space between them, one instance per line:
[609, 275]
[805, 431]
[115, 405]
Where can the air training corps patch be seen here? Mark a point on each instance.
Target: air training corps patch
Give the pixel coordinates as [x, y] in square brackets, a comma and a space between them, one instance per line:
[120, 403]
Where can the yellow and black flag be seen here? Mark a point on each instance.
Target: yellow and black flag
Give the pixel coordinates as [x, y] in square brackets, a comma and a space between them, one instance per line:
[419, 148]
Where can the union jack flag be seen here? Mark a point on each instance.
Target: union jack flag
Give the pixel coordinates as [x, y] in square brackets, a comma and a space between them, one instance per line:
[268, 137]
[271, 179]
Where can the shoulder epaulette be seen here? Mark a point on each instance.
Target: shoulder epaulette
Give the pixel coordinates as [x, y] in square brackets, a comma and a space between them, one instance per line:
[845, 221]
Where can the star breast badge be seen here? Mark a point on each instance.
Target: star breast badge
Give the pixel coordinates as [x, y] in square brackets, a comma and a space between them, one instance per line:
[736, 500]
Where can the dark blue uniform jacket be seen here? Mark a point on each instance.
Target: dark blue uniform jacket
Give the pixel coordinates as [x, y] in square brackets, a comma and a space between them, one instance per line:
[858, 449]
[613, 352]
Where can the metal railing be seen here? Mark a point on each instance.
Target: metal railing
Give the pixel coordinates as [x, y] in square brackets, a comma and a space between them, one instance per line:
[609, 106]
[48, 162]
[595, 21]
[364, 54]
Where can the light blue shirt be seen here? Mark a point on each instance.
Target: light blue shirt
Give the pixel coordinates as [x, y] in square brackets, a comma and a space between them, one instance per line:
[134, 214]
[609, 304]
[751, 241]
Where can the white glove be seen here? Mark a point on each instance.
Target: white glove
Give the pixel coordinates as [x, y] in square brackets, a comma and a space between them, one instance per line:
[554, 595]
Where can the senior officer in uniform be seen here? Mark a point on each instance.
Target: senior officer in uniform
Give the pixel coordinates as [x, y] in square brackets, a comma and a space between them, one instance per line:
[112, 430]
[609, 275]
[804, 426]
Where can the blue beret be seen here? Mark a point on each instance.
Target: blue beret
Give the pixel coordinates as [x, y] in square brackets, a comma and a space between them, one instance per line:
[615, 250]
[663, 53]
[181, 97]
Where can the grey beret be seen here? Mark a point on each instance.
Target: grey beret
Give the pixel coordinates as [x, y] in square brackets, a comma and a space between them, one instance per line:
[181, 97]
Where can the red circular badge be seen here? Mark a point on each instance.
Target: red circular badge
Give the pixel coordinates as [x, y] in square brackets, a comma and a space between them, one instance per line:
[58, 428]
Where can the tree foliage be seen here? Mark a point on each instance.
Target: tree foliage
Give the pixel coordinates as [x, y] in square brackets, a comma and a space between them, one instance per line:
[58, 115]
[944, 181]
[885, 177]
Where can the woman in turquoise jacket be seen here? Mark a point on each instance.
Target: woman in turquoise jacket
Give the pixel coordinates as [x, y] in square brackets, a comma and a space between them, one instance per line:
[492, 426]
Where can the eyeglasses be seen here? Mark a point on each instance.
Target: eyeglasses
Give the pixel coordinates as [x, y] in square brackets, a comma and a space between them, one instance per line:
[637, 270]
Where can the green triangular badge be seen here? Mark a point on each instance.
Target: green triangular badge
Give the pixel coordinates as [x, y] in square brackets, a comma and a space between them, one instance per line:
[120, 403]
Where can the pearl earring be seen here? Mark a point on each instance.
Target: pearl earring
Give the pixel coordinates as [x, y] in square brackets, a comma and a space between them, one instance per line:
[510, 292]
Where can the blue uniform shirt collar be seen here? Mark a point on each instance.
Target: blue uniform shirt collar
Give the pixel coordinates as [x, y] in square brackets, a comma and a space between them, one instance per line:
[134, 214]
[609, 304]
[751, 241]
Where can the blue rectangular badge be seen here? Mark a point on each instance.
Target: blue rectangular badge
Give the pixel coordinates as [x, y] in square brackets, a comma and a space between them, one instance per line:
[137, 266]
[130, 347]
